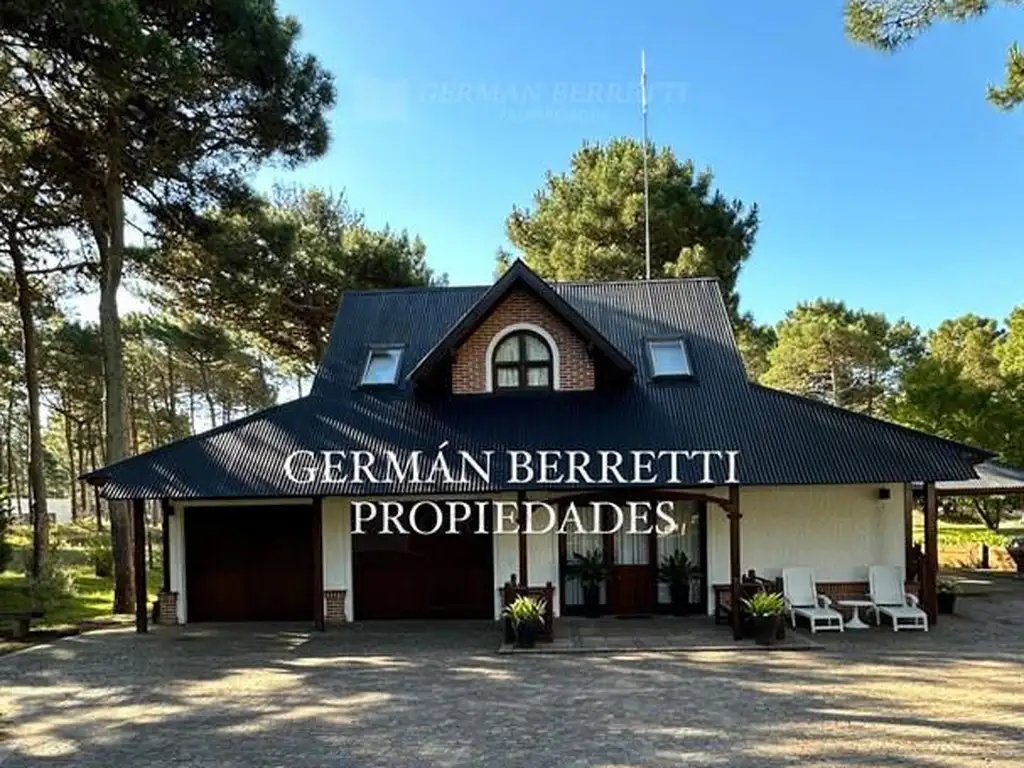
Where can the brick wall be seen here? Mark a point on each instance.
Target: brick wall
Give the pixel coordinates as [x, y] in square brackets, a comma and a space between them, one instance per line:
[469, 365]
[168, 607]
[335, 612]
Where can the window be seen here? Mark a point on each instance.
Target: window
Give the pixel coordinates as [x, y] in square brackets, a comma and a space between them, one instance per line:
[522, 360]
[669, 358]
[382, 365]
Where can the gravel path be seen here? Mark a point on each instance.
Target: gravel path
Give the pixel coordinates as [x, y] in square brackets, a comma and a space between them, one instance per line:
[441, 697]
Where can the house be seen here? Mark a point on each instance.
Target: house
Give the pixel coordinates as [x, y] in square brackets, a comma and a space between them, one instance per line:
[260, 514]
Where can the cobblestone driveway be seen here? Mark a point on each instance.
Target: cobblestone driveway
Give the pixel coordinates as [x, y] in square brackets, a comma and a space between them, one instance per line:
[441, 697]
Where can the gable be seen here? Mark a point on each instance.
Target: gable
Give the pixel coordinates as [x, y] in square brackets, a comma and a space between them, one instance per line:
[434, 366]
[521, 310]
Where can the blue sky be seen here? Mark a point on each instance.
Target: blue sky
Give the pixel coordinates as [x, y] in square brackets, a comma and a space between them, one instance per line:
[883, 180]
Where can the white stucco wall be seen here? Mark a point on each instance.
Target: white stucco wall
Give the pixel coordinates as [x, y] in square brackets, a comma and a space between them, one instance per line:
[836, 530]
[337, 542]
[176, 558]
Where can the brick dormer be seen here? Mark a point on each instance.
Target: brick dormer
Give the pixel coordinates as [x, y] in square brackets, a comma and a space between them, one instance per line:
[520, 323]
[472, 369]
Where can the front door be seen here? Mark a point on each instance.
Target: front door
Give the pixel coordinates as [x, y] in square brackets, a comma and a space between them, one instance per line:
[632, 588]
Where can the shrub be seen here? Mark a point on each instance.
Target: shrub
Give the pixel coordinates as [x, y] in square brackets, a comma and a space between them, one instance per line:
[765, 604]
[54, 584]
[589, 569]
[526, 609]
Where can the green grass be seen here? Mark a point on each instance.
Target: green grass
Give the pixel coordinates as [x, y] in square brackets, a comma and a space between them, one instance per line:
[957, 534]
[93, 598]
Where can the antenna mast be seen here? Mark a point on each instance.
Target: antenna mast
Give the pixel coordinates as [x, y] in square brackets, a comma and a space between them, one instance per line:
[647, 190]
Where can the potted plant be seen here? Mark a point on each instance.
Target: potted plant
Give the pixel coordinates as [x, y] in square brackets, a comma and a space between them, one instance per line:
[676, 570]
[946, 590]
[1015, 549]
[589, 570]
[765, 610]
[526, 615]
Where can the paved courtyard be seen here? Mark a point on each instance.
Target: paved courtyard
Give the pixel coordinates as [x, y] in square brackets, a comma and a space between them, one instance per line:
[439, 696]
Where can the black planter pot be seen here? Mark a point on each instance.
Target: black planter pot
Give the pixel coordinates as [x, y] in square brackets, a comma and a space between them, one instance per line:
[1017, 555]
[680, 596]
[766, 629]
[526, 634]
[509, 630]
[592, 601]
[946, 601]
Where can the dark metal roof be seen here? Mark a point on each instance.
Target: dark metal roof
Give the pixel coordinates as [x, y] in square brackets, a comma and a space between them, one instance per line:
[992, 479]
[782, 439]
[518, 274]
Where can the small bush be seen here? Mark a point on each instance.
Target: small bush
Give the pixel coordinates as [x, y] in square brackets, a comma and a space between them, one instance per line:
[765, 604]
[54, 584]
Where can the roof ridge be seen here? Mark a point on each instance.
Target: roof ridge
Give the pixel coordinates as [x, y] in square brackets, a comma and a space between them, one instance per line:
[552, 283]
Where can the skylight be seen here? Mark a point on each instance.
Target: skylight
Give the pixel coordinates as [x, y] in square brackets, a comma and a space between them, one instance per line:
[382, 365]
[669, 358]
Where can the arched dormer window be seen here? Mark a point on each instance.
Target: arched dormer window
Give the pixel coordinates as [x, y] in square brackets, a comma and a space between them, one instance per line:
[522, 359]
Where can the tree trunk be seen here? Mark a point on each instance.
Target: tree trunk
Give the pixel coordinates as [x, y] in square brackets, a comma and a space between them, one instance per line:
[81, 465]
[12, 469]
[37, 480]
[172, 396]
[69, 444]
[9, 428]
[95, 489]
[110, 243]
[133, 424]
[210, 405]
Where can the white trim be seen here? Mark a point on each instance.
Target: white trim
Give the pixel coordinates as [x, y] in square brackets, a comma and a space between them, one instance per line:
[510, 329]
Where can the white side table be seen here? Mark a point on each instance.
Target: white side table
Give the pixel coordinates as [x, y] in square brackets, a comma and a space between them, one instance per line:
[855, 621]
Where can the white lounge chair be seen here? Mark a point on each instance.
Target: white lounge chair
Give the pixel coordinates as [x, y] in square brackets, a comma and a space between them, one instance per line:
[889, 598]
[802, 599]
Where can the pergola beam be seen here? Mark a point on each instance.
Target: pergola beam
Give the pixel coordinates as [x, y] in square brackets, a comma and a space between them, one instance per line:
[735, 567]
[139, 542]
[929, 579]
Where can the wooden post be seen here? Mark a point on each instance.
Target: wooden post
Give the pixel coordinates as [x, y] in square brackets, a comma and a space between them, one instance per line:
[908, 529]
[141, 590]
[318, 563]
[165, 534]
[929, 590]
[521, 518]
[735, 569]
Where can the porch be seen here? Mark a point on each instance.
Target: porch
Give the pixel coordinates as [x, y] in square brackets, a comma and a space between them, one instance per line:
[651, 634]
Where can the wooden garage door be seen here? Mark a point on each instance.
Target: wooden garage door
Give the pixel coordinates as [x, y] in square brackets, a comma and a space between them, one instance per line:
[249, 563]
[412, 576]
